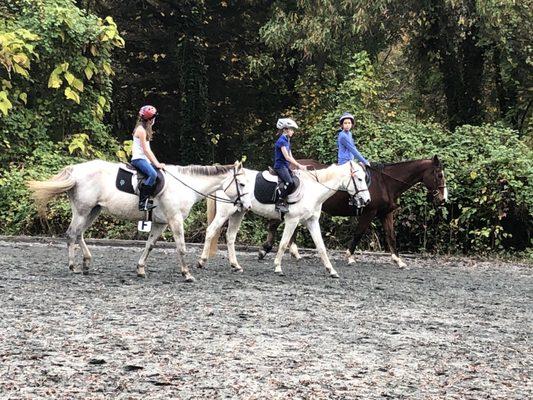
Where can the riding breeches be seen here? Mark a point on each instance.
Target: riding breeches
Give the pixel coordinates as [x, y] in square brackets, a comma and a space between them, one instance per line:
[146, 168]
[285, 175]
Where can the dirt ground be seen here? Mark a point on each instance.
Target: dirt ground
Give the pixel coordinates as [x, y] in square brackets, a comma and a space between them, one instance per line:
[445, 328]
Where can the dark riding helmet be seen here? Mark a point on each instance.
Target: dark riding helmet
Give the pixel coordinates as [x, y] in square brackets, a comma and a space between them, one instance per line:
[346, 115]
[147, 112]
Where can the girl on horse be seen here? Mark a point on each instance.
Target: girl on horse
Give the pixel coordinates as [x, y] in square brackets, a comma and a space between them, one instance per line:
[345, 143]
[282, 158]
[142, 156]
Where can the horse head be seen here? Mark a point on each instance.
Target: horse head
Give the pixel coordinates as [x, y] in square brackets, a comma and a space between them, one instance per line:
[237, 187]
[435, 183]
[357, 187]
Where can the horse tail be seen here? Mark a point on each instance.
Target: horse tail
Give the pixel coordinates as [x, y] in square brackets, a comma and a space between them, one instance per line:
[44, 191]
[211, 211]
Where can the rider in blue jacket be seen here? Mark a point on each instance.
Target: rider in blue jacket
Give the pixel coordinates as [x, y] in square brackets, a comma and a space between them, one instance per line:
[345, 142]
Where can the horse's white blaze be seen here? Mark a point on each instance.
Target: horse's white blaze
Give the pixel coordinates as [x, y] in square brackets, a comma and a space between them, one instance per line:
[308, 209]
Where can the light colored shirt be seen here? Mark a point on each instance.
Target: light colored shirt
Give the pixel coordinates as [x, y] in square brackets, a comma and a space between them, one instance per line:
[137, 150]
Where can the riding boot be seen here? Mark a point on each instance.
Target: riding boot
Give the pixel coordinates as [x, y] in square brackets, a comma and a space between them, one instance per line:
[145, 202]
[281, 205]
[281, 201]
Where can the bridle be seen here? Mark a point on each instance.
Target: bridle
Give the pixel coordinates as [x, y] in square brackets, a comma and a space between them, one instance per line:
[238, 201]
[353, 200]
[438, 187]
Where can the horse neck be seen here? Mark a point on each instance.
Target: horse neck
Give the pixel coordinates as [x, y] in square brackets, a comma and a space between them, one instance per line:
[405, 175]
[203, 184]
[329, 181]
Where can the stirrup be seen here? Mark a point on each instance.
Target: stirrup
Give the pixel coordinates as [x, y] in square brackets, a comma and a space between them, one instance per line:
[282, 207]
[146, 205]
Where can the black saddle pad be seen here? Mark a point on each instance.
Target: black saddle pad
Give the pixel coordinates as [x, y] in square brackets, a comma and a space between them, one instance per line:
[123, 181]
[265, 191]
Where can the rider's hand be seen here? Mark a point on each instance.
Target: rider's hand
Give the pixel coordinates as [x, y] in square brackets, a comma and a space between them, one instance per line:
[161, 166]
[304, 167]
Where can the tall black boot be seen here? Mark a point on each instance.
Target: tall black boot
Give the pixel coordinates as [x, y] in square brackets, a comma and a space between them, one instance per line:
[281, 202]
[145, 203]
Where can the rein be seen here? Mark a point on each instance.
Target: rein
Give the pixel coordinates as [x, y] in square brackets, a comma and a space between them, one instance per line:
[237, 201]
[390, 176]
[434, 192]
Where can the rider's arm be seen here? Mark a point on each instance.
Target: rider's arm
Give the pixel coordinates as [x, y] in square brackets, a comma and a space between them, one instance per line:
[288, 156]
[141, 134]
[344, 140]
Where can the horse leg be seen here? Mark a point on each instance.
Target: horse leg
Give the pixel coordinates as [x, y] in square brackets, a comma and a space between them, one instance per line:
[176, 225]
[293, 248]
[210, 233]
[73, 235]
[388, 226]
[231, 234]
[314, 229]
[272, 229]
[87, 256]
[155, 234]
[362, 226]
[290, 226]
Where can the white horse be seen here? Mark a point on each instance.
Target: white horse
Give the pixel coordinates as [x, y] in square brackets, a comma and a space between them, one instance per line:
[317, 187]
[91, 189]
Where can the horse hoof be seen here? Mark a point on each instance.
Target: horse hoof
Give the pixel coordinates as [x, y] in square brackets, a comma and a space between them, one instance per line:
[200, 264]
[351, 260]
[236, 268]
[280, 273]
[261, 254]
[334, 275]
[190, 279]
[85, 272]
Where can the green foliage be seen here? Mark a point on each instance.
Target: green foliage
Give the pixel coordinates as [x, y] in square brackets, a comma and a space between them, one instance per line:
[66, 89]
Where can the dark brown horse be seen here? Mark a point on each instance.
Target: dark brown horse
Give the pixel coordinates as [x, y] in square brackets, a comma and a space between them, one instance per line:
[388, 182]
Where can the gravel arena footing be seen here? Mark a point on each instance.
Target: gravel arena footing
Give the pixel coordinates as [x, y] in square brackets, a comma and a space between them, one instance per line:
[444, 328]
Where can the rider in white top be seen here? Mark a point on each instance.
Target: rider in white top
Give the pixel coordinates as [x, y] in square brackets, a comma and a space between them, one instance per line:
[142, 156]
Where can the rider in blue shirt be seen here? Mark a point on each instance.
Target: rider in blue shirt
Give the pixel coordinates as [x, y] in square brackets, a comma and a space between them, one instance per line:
[282, 158]
[345, 142]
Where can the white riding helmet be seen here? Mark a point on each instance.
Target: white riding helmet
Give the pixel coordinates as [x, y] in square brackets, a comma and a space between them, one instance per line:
[286, 123]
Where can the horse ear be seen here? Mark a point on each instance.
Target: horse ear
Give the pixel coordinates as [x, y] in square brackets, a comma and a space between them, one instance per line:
[238, 164]
[436, 160]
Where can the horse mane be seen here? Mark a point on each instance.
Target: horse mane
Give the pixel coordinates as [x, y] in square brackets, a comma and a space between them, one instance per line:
[209, 170]
[380, 166]
[322, 174]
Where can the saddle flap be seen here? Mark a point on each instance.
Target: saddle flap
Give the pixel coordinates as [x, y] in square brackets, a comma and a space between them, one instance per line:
[265, 189]
[128, 178]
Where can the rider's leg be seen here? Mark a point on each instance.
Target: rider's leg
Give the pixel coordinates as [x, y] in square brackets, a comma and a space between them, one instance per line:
[147, 187]
[286, 176]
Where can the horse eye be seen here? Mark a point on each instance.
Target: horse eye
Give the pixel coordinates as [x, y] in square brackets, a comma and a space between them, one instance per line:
[241, 184]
